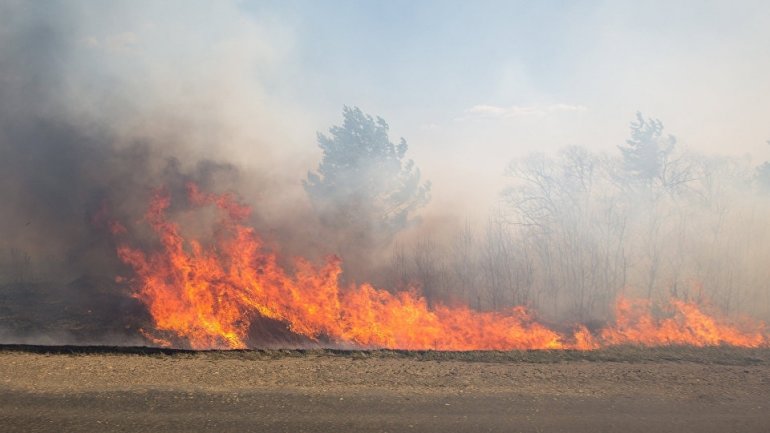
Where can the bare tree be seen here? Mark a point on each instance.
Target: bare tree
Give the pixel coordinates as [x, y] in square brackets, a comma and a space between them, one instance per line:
[465, 265]
[19, 266]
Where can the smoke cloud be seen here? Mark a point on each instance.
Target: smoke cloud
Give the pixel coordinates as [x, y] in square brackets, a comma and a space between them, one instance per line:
[101, 105]
[94, 119]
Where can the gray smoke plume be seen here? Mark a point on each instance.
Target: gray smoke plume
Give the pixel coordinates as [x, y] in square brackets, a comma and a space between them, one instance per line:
[101, 104]
[64, 174]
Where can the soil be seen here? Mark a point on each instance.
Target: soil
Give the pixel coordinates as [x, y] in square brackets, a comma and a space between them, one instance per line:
[76, 389]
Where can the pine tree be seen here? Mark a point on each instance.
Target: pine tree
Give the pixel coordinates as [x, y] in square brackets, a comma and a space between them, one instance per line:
[363, 185]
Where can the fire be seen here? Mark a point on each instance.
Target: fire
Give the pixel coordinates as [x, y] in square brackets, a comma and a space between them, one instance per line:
[207, 297]
[687, 324]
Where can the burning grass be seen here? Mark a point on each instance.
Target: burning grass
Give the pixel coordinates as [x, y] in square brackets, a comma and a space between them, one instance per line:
[207, 297]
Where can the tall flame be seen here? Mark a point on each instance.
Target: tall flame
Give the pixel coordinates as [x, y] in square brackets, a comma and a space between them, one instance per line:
[208, 297]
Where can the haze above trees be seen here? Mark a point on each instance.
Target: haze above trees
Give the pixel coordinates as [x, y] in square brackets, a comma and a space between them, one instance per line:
[576, 229]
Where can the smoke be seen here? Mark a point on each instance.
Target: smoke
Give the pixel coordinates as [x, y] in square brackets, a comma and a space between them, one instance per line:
[96, 113]
[100, 105]
[66, 152]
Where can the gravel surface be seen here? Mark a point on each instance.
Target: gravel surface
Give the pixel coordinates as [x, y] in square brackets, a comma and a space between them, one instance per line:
[628, 389]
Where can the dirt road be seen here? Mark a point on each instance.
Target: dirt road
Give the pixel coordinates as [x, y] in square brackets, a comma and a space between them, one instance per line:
[625, 389]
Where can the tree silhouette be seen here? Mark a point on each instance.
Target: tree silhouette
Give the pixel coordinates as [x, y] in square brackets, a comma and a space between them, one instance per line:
[763, 175]
[650, 158]
[644, 152]
[363, 185]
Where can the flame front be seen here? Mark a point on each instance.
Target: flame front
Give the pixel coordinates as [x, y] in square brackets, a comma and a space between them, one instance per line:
[687, 324]
[208, 297]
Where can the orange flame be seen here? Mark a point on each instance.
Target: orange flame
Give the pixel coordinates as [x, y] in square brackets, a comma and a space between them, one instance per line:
[208, 297]
[688, 324]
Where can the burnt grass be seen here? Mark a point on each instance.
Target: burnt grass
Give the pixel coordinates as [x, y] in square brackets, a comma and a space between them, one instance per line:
[716, 355]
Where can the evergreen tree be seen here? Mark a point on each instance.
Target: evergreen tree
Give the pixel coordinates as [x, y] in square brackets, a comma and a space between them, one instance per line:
[363, 185]
[645, 153]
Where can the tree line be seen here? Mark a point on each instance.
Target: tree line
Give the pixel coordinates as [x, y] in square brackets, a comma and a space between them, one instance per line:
[575, 229]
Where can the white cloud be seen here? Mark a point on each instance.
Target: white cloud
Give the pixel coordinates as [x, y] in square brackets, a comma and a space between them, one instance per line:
[485, 111]
[432, 126]
[113, 43]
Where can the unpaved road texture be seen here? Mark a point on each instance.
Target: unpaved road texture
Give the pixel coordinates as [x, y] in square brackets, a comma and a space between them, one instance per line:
[617, 389]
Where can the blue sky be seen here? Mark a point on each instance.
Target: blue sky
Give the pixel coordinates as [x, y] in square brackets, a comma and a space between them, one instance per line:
[479, 83]
[434, 60]
[428, 55]
[470, 85]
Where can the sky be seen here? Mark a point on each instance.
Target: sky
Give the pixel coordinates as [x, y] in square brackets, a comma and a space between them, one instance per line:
[472, 85]
[469, 85]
